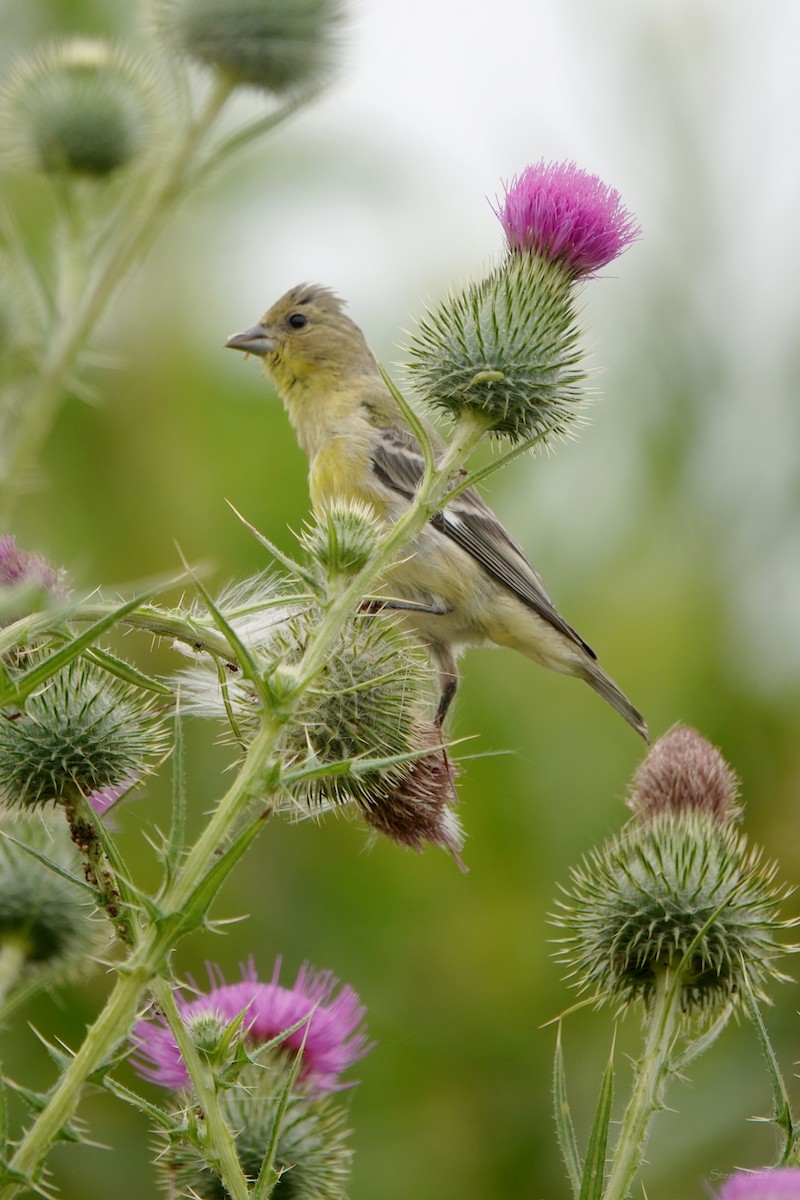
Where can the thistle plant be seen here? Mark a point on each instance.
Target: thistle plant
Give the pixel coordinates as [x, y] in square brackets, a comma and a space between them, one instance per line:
[676, 916]
[268, 1060]
[507, 348]
[326, 703]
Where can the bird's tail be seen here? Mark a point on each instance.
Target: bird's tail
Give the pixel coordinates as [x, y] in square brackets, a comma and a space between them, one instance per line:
[597, 679]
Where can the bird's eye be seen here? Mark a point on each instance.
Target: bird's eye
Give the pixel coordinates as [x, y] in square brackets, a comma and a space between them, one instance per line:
[298, 320]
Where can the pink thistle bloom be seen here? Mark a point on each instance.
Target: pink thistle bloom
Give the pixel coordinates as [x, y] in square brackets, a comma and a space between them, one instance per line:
[333, 1039]
[782, 1183]
[567, 216]
[102, 799]
[21, 566]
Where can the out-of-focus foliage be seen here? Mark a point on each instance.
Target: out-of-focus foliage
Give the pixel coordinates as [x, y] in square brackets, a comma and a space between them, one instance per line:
[668, 534]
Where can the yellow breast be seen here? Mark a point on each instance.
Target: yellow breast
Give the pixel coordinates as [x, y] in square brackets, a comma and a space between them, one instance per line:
[342, 470]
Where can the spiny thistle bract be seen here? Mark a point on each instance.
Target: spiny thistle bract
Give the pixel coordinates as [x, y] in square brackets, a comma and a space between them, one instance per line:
[312, 1154]
[80, 106]
[341, 539]
[505, 349]
[267, 44]
[363, 705]
[84, 731]
[636, 907]
[369, 702]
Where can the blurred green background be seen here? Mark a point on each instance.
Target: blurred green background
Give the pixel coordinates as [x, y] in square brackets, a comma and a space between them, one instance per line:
[668, 533]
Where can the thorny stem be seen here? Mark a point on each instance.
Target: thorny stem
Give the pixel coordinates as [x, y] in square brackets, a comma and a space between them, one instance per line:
[135, 239]
[219, 1135]
[646, 1097]
[150, 956]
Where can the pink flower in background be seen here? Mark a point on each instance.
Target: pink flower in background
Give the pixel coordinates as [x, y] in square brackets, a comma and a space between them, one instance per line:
[21, 566]
[102, 799]
[782, 1183]
[567, 216]
[333, 1037]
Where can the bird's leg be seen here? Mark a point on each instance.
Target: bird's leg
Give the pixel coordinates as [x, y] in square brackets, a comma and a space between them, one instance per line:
[445, 662]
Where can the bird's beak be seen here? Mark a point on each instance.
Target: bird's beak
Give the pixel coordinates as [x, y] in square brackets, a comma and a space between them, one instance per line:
[253, 341]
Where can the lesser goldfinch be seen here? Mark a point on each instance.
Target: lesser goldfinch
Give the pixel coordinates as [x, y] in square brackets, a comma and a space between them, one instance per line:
[463, 567]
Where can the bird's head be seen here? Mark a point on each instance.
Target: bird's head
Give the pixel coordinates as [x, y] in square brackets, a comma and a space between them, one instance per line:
[306, 338]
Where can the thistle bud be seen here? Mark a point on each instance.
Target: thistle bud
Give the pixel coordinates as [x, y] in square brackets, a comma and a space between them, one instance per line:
[42, 914]
[506, 349]
[342, 538]
[312, 1154]
[268, 44]
[357, 731]
[80, 106]
[364, 706]
[680, 892]
[84, 731]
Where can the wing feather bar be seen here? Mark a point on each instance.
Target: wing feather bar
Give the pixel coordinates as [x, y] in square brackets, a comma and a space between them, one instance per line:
[472, 525]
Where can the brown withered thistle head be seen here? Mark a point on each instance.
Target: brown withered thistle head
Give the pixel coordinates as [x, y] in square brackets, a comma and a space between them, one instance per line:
[683, 772]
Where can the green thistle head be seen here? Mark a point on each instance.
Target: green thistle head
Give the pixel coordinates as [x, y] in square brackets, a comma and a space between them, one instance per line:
[363, 706]
[83, 732]
[81, 106]
[506, 349]
[342, 538]
[44, 915]
[313, 1154]
[677, 892]
[267, 44]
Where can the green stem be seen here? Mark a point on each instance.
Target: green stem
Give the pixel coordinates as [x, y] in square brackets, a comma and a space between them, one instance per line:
[646, 1096]
[220, 1139]
[150, 957]
[147, 961]
[101, 1038]
[135, 239]
[13, 956]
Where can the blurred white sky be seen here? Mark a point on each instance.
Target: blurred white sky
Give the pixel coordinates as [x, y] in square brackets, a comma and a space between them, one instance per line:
[441, 100]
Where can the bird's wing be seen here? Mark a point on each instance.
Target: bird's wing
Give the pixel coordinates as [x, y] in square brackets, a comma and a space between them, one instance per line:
[471, 524]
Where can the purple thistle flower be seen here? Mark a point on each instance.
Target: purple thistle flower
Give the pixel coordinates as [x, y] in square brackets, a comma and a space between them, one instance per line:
[566, 216]
[102, 799]
[782, 1183]
[21, 566]
[333, 1039]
